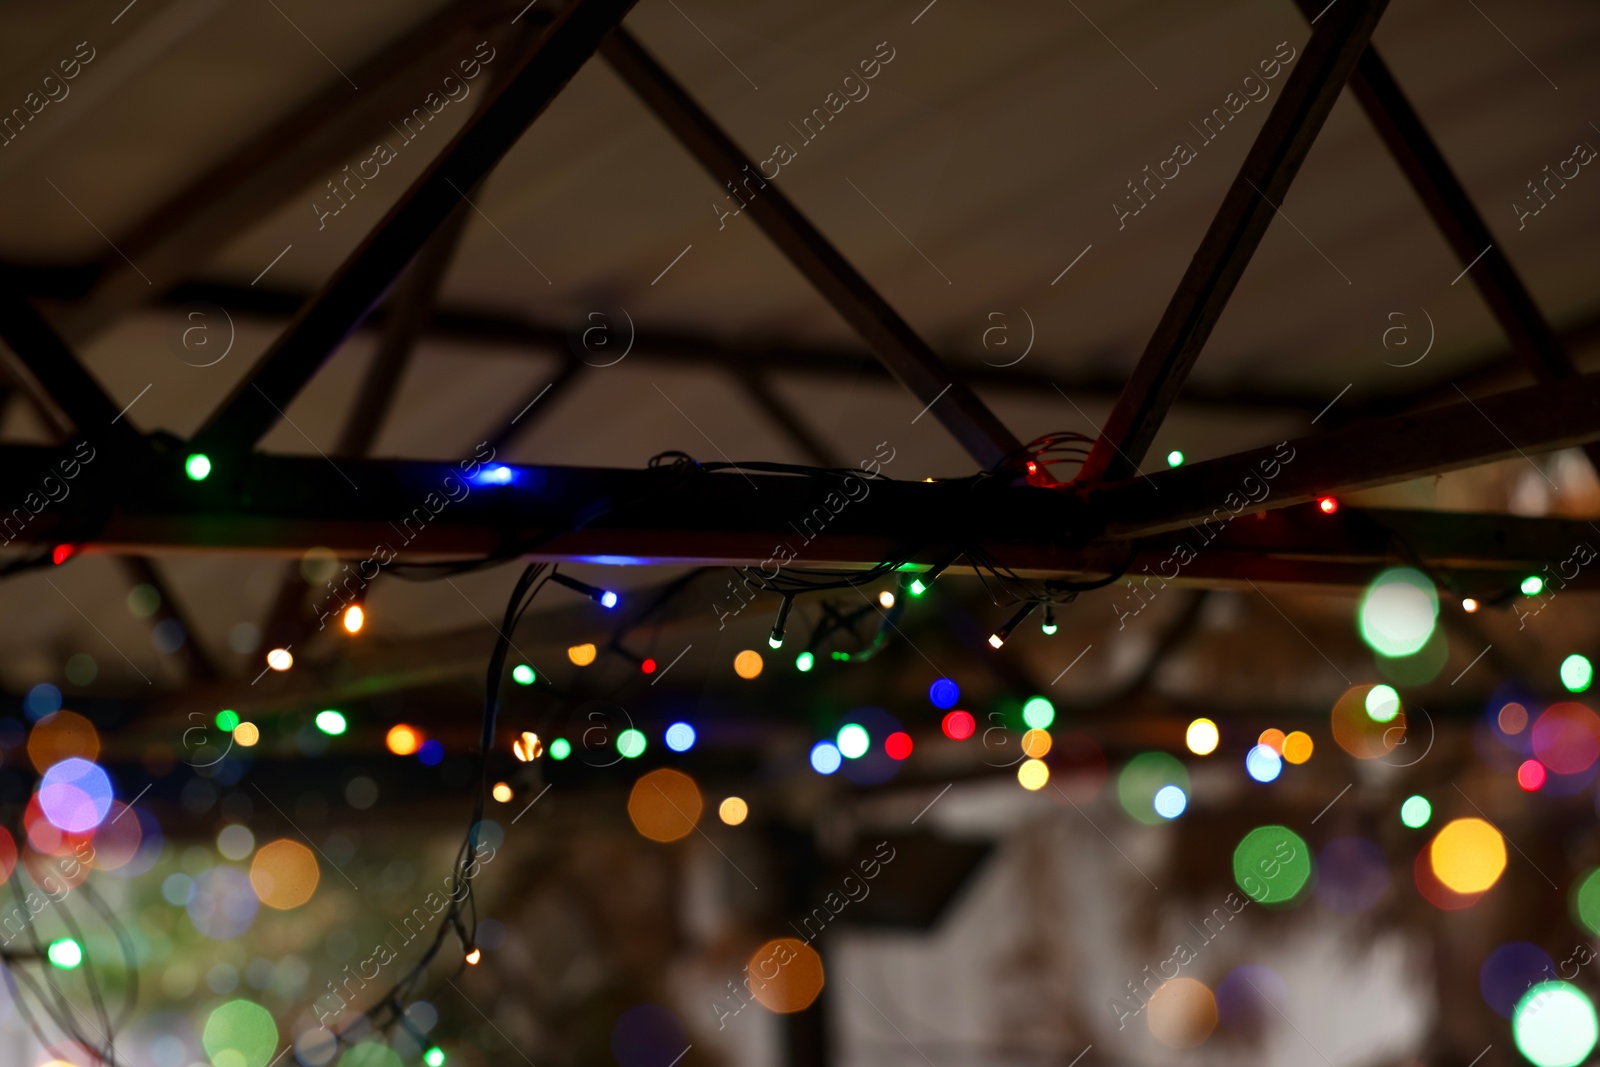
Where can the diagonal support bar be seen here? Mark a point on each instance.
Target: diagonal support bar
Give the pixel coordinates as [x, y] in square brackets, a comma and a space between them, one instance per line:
[273, 165]
[61, 377]
[1524, 422]
[318, 330]
[1532, 340]
[894, 342]
[1225, 251]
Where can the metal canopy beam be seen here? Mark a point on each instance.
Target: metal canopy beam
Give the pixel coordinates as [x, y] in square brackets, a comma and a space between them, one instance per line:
[267, 169]
[1533, 342]
[360, 282]
[1540, 418]
[1485, 371]
[1225, 251]
[889, 336]
[67, 383]
[671, 517]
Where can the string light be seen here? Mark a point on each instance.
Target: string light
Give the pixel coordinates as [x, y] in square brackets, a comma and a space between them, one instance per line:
[647, 666]
[197, 466]
[1174, 458]
[747, 664]
[1049, 626]
[916, 586]
[631, 744]
[1327, 504]
[501, 792]
[680, 737]
[402, 740]
[1576, 673]
[998, 638]
[496, 475]
[886, 599]
[279, 659]
[526, 747]
[354, 618]
[1532, 585]
[1202, 737]
[852, 741]
[61, 553]
[474, 956]
[65, 953]
[1038, 713]
[825, 757]
[958, 725]
[1416, 812]
[775, 638]
[733, 811]
[1469, 605]
[247, 734]
[331, 722]
[581, 655]
[523, 674]
[804, 662]
[560, 748]
[604, 597]
[1033, 774]
[434, 1057]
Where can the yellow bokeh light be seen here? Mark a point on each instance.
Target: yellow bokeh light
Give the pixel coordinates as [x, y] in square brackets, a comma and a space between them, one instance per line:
[1468, 855]
[354, 618]
[1182, 1013]
[733, 811]
[665, 805]
[284, 874]
[1273, 739]
[279, 659]
[747, 664]
[1035, 744]
[247, 734]
[1033, 774]
[785, 975]
[1202, 737]
[527, 747]
[581, 655]
[1297, 747]
[403, 740]
[501, 792]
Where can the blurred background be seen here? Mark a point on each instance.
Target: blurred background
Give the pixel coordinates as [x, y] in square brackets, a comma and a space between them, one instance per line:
[1213, 821]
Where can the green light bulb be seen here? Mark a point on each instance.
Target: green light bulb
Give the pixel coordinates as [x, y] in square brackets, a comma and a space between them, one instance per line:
[197, 466]
[65, 953]
[804, 662]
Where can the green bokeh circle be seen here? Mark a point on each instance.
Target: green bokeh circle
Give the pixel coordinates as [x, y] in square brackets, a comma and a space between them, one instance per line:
[1272, 865]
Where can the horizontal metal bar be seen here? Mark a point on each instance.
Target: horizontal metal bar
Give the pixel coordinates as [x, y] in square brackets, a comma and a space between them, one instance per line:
[1363, 455]
[417, 512]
